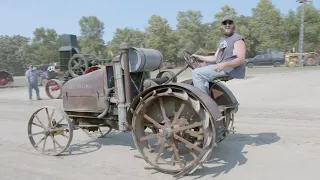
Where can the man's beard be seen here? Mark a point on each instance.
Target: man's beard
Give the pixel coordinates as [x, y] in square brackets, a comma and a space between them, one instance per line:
[228, 34]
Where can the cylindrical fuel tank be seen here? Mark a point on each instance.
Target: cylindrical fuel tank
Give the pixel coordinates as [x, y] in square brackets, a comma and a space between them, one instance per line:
[142, 59]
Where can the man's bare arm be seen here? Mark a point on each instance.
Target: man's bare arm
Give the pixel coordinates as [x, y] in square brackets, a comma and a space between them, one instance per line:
[209, 59]
[240, 50]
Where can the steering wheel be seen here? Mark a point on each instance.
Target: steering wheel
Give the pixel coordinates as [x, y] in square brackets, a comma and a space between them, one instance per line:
[191, 61]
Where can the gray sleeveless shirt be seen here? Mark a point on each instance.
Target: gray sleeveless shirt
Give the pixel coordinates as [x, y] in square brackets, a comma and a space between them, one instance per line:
[225, 54]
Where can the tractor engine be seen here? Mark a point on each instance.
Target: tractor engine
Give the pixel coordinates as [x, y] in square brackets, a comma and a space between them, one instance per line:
[101, 96]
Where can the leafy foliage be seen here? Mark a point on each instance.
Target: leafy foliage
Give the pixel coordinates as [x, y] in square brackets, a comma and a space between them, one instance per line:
[11, 52]
[266, 28]
[133, 36]
[91, 41]
[160, 36]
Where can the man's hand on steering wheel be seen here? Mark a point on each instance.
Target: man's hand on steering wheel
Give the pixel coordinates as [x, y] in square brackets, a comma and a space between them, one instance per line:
[195, 56]
[193, 60]
[196, 59]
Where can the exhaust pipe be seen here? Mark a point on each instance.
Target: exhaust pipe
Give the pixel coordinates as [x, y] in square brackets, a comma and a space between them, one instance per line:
[119, 90]
[119, 85]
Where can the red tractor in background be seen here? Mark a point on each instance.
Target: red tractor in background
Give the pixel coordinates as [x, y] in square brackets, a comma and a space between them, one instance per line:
[6, 78]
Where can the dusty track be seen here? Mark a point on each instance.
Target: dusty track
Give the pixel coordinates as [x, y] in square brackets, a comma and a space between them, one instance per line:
[278, 137]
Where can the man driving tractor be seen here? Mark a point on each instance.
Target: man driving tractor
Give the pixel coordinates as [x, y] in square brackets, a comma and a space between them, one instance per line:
[229, 58]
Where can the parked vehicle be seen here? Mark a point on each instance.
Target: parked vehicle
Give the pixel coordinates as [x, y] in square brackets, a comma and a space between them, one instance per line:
[6, 78]
[309, 59]
[268, 58]
[45, 73]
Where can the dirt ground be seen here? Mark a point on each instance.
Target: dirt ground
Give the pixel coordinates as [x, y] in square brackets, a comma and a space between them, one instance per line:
[277, 136]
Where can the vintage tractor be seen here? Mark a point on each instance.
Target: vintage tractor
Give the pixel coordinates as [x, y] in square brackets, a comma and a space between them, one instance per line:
[72, 64]
[175, 126]
[5, 78]
[309, 59]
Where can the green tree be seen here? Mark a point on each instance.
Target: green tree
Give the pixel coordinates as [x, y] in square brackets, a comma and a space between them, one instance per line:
[43, 48]
[243, 29]
[190, 30]
[267, 28]
[46, 36]
[91, 39]
[11, 58]
[160, 36]
[132, 36]
[291, 25]
[226, 10]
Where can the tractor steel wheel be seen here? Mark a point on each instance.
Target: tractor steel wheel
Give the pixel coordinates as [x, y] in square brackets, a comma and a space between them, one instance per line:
[3, 81]
[311, 60]
[178, 125]
[276, 64]
[54, 128]
[5, 78]
[250, 65]
[292, 64]
[53, 89]
[292, 61]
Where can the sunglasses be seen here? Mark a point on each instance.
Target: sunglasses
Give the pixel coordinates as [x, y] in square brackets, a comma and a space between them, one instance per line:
[227, 22]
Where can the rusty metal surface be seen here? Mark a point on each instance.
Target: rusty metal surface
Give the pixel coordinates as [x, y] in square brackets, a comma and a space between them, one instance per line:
[197, 104]
[86, 92]
[91, 84]
[220, 93]
[51, 126]
[53, 89]
[4, 73]
[187, 87]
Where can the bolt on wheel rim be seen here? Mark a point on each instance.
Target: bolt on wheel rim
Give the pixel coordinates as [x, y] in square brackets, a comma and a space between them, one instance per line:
[175, 139]
[50, 131]
[311, 61]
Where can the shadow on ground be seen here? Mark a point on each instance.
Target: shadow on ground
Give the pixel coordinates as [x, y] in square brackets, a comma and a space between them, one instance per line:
[94, 143]
[230, 154]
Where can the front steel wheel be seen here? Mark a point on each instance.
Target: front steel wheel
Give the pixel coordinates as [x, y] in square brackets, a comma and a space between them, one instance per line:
[173, 130]
[50, 131]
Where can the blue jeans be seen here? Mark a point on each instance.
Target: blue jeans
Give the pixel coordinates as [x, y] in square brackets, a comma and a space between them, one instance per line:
[36, 88]
[202, 76]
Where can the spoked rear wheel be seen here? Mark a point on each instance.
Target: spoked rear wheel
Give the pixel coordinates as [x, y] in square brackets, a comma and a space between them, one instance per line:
[50, 130]
[179, 134]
